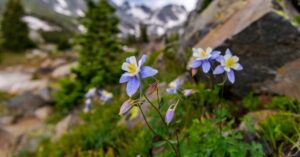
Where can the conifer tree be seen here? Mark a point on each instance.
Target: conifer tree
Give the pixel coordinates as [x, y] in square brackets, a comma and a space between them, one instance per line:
[13, 30]
[99, 59]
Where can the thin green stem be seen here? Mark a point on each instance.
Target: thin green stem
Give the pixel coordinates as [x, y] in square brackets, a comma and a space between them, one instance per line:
[153, 131]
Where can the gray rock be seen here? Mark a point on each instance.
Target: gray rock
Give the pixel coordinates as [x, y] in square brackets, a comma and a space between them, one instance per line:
[27, 103]
[66, 124]
[264, 40]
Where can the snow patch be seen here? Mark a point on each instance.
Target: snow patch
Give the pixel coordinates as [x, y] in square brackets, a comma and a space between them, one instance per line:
[35, 23]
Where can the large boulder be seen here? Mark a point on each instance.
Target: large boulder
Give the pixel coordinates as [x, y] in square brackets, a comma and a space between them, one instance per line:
[27, 103]
[258, 32]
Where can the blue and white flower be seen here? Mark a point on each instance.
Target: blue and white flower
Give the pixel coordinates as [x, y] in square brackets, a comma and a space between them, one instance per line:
[229, 63]
[174, 86]
[105, 96]
[91, 93]
[203, 58]
[134, 72]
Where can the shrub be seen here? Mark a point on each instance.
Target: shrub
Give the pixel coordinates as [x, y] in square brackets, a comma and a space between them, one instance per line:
[14, 31]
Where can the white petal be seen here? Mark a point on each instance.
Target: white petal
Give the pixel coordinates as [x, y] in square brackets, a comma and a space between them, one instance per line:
[125, 66]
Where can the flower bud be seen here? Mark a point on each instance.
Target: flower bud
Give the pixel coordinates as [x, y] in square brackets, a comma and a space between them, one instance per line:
[194, 71]
[152, 88]
[169, 115]
[126, 106]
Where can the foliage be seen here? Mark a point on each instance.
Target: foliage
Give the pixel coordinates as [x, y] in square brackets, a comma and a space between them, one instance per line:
[99, 56]
[13, 30]
[62, 39]
[251, 102]
[280, 130]
[144, 36]
[206, 141]
[284, 103]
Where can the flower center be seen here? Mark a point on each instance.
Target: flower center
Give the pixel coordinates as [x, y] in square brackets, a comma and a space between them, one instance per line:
[132, 68]
[230, 62]
[203, 54]
[105, 93]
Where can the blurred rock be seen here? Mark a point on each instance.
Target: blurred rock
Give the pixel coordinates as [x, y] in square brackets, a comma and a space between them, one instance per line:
[45, 94]
[8, 79]
[5, 120]
[264, 40]
[27, 103]
[64, 125]
[62, 71]
[43, 112]
[31, 85]
[287, 80]
[7, 143]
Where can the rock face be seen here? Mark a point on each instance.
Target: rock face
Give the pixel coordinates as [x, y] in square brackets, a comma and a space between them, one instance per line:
[264, 40]
[27, 103]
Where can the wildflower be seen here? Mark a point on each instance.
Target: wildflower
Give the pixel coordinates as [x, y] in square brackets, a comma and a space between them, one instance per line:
[88, 105]
[105, 96]
[169, 115]
[91, 93]
[228, 64]
[126, 106]
[174, 86]
[188, 92]
[203, 58]
[134, 72]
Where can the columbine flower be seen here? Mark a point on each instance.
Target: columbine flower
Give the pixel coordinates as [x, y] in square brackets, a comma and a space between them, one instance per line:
[170, 112]
[88, 105]
[134, 72]
[91, 93]
[174, 86]
[105, 96]
[228, 64]
[203, 58]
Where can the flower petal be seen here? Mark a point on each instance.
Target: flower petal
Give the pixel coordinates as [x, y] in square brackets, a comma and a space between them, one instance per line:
[126, 106]
[142, 60]
[132, 86]
[172, 90]
[209, 50]
[228, 52]
[125, 78]
[218, 70]
[125, 66]
[196, 52]
[206, 66]
[238, 67]
[215, 54]
[147, 71]
[195, 64]
[231, 76]
[220, 59]
[169, 115]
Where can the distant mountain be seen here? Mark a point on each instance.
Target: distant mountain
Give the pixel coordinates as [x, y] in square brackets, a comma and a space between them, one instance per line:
[65, 14]
[157, 21]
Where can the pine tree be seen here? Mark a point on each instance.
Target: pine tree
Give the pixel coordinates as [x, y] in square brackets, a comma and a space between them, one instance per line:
[13, 30]
[99, 58]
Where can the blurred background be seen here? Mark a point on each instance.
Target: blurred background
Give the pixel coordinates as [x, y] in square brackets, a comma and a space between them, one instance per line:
[52, 52]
